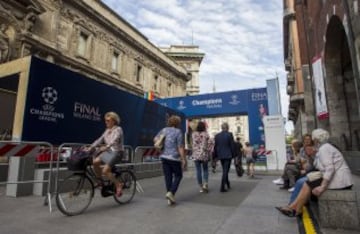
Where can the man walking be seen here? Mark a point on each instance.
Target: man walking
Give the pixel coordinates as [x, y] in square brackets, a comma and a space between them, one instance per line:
[224, 151]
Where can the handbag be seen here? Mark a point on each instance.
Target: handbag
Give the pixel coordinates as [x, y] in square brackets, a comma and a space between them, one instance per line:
[160, 141]
[239, 169]
[314, 175]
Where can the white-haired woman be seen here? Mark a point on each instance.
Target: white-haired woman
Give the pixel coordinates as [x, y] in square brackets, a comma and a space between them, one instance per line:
[111, 151]
[335, 174]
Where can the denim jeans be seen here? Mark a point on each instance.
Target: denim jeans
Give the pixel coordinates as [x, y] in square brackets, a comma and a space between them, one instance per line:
[225, 163]
[297, 187]
[172, 174]
[202, 171]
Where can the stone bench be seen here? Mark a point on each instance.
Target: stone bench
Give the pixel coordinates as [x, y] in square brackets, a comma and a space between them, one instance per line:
[353, 160]
[339, 209]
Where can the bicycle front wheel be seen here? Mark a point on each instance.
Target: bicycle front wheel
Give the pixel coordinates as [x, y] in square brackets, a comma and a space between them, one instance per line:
[128, 179]
[74, 194]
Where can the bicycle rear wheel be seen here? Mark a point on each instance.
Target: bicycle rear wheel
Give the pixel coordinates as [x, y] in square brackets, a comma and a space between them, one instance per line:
[74, 194]
[129, 186]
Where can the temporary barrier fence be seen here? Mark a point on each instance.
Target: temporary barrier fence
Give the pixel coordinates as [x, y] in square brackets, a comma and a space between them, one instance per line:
[267, 158]
[272, 160]
[21, 155]
[146, 154]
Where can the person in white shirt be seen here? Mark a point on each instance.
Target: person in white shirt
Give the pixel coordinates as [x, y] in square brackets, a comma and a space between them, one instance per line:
[334, 174]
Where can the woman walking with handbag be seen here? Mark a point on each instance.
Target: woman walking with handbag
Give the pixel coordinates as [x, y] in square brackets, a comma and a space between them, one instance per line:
[172, 156]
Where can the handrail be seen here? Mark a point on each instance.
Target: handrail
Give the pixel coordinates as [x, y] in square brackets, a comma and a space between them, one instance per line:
[152, 152]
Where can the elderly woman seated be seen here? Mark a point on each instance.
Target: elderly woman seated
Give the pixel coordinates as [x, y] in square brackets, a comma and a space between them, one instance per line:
[334, 173]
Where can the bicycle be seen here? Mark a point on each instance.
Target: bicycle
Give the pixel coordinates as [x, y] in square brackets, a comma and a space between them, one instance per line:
[75, 192]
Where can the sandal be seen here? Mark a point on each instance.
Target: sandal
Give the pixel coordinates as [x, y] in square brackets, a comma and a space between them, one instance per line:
[119, 191]
[287, 211]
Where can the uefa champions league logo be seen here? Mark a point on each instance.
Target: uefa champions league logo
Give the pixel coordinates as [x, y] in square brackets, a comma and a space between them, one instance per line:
[234, 100]
[50, 96]
[181, 105]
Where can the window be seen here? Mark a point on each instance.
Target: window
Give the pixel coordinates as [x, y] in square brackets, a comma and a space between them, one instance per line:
[115, 62]
[156, 79]
[82, 46]
[169, 89]
[238, 129]
[138, 73]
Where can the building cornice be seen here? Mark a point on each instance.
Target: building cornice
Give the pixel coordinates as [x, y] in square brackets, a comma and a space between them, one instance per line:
[76, 66]
[145, 46]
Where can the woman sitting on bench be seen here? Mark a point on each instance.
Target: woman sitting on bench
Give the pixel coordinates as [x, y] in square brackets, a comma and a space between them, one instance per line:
[334, 173]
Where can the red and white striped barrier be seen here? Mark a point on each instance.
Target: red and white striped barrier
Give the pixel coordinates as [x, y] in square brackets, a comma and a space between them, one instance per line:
[20, 150]
[151, 152]
[263, 152]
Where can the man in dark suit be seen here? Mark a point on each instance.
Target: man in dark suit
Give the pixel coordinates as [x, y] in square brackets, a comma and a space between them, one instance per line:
[224, 151]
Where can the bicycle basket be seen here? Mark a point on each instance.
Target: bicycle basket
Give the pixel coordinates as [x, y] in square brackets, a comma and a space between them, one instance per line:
[78, 160]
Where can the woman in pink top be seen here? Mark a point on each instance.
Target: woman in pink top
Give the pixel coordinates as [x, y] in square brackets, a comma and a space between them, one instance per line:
[111, 151]
[200, 147]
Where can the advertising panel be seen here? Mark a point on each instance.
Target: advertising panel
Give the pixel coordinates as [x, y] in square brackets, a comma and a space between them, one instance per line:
[64, 106]
[320, 98]
[252, 102]
[275, 141]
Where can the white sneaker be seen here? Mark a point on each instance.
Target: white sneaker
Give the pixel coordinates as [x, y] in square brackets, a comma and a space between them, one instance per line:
[170, 197]
[205, 188]
[279, 181]
[291, 189]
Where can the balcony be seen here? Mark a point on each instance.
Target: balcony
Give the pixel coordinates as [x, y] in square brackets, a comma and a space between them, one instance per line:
[297, 98]
[289, 14]
[290, 78]
[292, 114]
[290, 90]
[287, 63]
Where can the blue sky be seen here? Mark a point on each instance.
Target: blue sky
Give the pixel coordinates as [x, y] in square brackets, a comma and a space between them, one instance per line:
[242, 39]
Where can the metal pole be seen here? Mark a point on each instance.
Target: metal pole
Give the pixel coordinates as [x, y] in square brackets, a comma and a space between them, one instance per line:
[309, 63]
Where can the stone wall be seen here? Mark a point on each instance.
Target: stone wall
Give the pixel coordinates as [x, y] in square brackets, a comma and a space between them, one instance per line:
[88, 37]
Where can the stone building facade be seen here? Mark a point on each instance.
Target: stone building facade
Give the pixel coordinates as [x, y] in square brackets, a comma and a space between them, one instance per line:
[189, 57]
[325, 48]
[88, 37]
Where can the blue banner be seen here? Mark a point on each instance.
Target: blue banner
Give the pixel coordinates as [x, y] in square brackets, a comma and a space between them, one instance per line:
[64, 106]
[252, 102]
[273, 96]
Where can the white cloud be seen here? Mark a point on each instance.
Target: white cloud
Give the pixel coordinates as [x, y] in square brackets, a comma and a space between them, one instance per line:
[241, 39]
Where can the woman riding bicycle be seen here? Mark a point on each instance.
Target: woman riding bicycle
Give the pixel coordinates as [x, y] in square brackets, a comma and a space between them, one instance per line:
[112, 152]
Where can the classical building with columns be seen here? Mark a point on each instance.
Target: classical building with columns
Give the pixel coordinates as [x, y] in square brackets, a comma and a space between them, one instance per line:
[321, 56]
[189, 57]
[88, 37]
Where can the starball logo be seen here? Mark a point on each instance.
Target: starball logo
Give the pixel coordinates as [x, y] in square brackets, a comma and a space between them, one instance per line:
[47, 112]
[234, 100]
[50, 96]
[181, 105]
